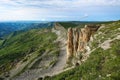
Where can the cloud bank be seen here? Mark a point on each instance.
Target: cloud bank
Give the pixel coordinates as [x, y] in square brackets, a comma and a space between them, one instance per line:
[52, 10]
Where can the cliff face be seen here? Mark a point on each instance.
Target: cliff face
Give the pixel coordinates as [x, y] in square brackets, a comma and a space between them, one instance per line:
[77, 43]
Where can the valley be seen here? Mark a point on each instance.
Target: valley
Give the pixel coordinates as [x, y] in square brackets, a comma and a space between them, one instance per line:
[39, 52]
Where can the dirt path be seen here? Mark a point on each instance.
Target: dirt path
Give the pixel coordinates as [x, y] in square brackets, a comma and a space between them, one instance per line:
[59, 66]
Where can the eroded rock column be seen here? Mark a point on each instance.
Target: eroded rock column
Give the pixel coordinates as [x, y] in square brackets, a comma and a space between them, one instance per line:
[70, 46]
[77, 42]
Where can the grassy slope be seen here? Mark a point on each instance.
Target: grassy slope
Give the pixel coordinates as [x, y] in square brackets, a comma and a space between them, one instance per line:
[18, 47]
[102, 64]
[1, 41]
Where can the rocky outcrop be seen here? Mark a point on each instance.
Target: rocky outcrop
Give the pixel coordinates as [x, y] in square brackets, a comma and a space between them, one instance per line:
[77, 42]
[70, 44]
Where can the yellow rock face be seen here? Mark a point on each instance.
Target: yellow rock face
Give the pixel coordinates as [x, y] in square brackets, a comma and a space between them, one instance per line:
[77, 40]
[70, 44]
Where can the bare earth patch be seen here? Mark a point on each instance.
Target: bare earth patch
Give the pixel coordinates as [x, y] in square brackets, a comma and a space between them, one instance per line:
[106, 44]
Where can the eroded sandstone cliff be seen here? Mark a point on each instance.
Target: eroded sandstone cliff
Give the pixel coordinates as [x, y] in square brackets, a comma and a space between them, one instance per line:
[77, 43]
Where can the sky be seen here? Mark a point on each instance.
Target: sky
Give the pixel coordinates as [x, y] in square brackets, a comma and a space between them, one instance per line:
[59, 10]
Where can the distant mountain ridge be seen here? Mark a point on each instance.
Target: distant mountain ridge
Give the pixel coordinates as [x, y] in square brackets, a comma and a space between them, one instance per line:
[9, 27]
[12, 26]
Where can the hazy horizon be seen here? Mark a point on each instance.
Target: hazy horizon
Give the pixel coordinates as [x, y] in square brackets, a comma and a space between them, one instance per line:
[54, 21]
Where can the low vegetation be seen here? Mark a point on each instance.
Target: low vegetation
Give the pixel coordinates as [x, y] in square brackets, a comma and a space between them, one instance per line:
[20, 47]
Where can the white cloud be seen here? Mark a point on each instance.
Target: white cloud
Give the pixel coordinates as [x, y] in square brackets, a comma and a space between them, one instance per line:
[84, 16]
[50, 9]
[61, 3]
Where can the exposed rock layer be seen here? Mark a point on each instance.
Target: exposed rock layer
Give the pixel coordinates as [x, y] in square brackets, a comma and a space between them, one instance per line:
[77, 42]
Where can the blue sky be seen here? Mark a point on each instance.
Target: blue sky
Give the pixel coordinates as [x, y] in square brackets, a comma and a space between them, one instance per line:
[60, 10]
